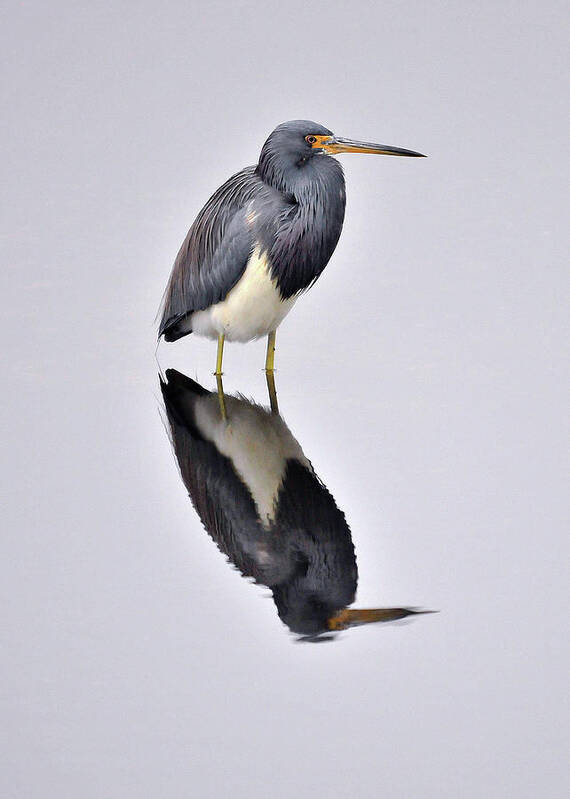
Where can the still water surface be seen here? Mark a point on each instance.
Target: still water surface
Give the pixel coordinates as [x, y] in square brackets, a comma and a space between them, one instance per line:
[260, 500]
[138, 658]
[422, 379]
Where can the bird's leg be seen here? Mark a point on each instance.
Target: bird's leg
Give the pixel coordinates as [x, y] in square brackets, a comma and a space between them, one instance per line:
[270, 378]
[220, 355]
[270, 357]
[269, 372]
[218, 373]
[221, 397]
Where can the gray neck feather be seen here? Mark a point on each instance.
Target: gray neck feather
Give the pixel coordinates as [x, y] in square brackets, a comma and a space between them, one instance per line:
[311, 222]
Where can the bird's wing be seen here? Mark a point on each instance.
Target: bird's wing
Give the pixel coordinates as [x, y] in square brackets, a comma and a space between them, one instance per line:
[214, 254]
[223, 502]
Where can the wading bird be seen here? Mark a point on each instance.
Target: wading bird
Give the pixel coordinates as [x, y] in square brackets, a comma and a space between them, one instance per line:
[260, 500]
[264, 237]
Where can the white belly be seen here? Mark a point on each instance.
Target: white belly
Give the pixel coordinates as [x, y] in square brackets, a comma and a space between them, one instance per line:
[253, 308]
[257, 442]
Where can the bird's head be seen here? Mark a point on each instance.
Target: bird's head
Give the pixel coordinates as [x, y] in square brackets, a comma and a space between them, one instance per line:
[296, 146]
[314, 613]
[313, 598]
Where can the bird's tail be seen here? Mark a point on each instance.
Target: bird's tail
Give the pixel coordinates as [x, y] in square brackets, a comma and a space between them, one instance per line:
[179, 393]
[176, 383]
[175, 328]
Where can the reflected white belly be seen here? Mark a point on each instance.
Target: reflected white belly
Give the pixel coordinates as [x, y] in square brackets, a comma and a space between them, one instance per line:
[257, 442]
[253, 308]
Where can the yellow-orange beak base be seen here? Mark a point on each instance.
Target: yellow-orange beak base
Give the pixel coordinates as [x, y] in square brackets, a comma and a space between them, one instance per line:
[335, 145]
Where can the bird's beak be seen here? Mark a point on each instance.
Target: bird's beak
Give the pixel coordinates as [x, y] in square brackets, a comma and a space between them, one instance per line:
[350, 617]
[335, 144]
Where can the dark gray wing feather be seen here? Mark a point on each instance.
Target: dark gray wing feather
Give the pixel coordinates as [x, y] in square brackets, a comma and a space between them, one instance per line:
[223, 502]
[213, 255]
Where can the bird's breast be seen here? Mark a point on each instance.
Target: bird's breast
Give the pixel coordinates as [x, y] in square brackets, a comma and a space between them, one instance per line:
[259, 445]
[253, 308]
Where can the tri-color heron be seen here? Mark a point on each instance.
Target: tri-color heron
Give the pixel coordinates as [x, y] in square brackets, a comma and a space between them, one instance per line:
[260, 500]
[263, 237]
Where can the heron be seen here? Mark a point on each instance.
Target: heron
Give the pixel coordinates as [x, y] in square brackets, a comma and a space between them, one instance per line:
[262, 503]
[262, 239]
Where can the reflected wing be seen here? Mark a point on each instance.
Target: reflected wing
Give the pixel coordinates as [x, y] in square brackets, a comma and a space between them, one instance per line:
[214, 254]
[224, 504]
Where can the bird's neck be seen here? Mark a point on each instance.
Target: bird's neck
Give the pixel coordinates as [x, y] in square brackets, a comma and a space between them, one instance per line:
[310, 225]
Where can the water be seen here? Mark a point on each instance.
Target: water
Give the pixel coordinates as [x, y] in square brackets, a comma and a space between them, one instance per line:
[422, 377]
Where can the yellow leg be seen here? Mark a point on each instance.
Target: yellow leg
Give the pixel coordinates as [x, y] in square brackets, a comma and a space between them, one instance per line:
[272, 391]
[221, 398]
[270, 358]
[220, 354]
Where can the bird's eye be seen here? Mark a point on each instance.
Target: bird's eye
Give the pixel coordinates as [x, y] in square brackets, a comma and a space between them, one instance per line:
[311, 139]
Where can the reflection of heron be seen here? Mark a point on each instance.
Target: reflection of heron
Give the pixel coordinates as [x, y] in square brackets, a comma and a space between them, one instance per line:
[262, 238]
[260, 500]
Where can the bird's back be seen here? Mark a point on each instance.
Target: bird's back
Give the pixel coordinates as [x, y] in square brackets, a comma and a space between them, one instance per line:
[214, 253]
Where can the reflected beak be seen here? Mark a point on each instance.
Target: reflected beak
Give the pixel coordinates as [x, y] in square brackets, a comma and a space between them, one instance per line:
[353, 618]
[335, 144]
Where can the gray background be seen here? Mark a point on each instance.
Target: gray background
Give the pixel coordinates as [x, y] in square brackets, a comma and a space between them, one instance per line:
[423, 376]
